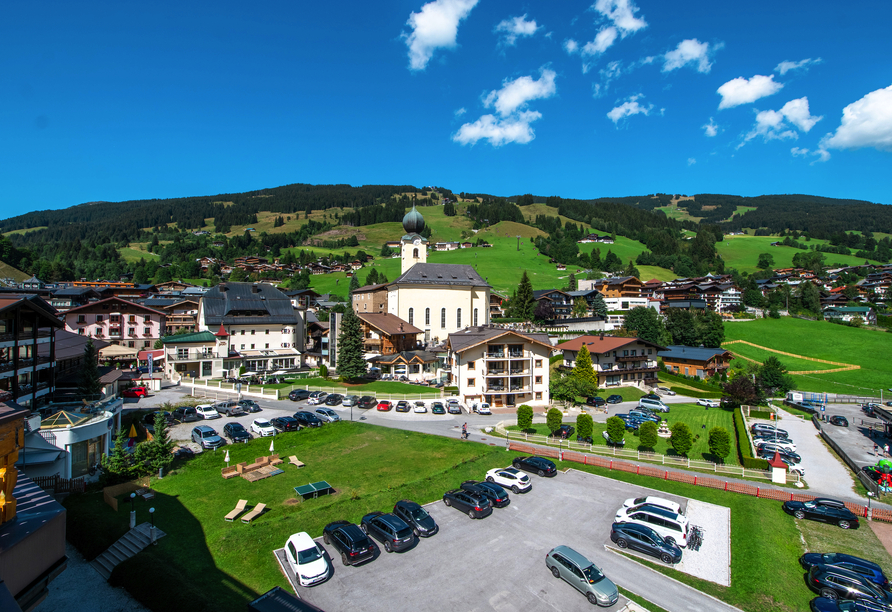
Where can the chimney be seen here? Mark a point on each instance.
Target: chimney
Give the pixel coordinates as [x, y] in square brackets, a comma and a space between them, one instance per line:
[602, 335]
[255, 289]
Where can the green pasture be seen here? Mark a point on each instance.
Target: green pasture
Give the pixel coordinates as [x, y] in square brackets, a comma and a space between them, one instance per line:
[742, 252]
[135, 254]
[24, 230]
[7, 271]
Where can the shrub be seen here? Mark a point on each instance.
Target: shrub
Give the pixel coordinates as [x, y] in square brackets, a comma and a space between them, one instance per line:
[743, 445]
[323, 371]
[616, 429]
[681, 439]
[584, 425]
[719, 442]
[554, 419]
[647, 434]
[524, 416]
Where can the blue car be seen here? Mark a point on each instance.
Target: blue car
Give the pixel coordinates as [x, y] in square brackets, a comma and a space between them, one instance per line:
[862, 567]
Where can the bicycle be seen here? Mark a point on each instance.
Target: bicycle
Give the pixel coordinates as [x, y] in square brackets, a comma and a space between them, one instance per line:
[695, 537]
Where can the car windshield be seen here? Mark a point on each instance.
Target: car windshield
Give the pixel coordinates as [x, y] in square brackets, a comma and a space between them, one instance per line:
[263, 424]
[809, 504]
[593, 574]
[208, 434]
[404, 533]
[236, 427]
[419, 514]
[308, 556]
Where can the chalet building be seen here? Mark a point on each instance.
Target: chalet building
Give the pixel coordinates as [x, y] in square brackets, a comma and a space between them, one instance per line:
[504, 368]
[317, 341]
[696, 361]
[848, 314]
[67, 298]
[718, 296]
[386, 334]
[119, 321]
[587, 295]
[496, 301]
[172, 287]
[303, 299]
[561, 301]
[414, 365]
[616, 361]
[27, 349]
[179, 314]
[619, 287]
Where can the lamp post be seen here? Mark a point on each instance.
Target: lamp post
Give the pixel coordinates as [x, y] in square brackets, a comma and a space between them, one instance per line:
[132, 510]
[152, 532]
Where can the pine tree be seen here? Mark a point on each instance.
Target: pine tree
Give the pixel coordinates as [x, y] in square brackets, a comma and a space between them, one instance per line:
[118, 466]
[523, 309]
[89, 384]
[351, 365]
[599, 306]
[372, 278]
[571, 283]
[583, 369]
[354, 284]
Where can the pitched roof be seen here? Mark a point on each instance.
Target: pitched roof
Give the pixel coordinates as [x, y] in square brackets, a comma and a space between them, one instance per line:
[113, 299]
[406, 357]
[70, 345]
[697, 353]
[247, 303]
[470, 337]
[601, 344]
[32, 302]
[388, 323]
[619, 280]
[441, 274]
[369, 288]
[202, 336]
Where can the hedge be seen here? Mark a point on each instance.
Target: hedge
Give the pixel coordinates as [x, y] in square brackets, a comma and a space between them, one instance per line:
[696, 393]
[691, 382]
[743, 445]
[760, 414]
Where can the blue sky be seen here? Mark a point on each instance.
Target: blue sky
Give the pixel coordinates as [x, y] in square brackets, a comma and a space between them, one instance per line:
[119, 100]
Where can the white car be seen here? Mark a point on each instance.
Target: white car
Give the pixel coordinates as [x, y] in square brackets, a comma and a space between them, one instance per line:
[420, 407]
[207, 411]
[670, 525]
[653, 501]
[709, 403]
[327, 414]
[510, 478]
[318, 398]
[263, 428]
[665, 391]
[483, 409]
[772, 445]
[306, 559]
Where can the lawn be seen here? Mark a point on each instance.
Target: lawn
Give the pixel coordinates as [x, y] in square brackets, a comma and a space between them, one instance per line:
[134, 254]
[821, 537]
[742, 252]
[822, 340]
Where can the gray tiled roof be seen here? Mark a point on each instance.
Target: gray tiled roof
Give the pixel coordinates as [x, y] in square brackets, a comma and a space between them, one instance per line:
[697, 353]
[472, 336]
[246, 304]
[441, 274]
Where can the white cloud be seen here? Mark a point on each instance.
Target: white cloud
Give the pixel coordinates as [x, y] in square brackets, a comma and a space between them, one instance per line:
[515, 94]
[434, 27]
[742, 91]
[775, 125]
[603, 40]
[571, 46]
[461, 111]
[797, 152]
[622, 14]
[691, 161]
[865, 123]
[514, 28]
[797, 113]
[628, 108]
[498, 131]
[711, 128]
[690, 51]
[821, 154]
[786, 66]
[610, 73]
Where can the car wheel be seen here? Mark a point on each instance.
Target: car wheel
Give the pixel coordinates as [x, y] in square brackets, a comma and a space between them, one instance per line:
[799, 514]
[666, 558]
[516, 489]
[829, 594]
[471, 514]
[541, 472]
[344, 559]
[447, 502]
[592, 599]
[555, 572]
[622, 543]
[843, 524]
[387, 546]
[489, 479]
[325, 538]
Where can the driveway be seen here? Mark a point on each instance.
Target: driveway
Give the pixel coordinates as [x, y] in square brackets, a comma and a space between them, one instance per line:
[498, 563]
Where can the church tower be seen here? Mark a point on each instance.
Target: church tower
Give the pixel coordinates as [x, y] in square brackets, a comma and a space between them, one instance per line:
[413, 246]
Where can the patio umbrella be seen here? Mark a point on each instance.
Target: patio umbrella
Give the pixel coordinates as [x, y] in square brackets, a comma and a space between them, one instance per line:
[270, 446]
[132, 435]
[226, 458]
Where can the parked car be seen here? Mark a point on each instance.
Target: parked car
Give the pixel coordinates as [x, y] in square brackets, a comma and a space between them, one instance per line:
[839, 421]
[183, 452]
[825, 604]
[334, 399]
[299, 395]
[644, 415]
[327, 414]
[652, 500]
[206, 412]
[646, 540]
[422, 524]
[825, 510]
[135, 392]
[709, 403]
[564, 431]
[230, 409]
[236, 432]
[349, 540]
[769, 444]
[149, 419]
[614, 399]
[536, 465]
[653, 405]
[186, 415]
[402, 406]
[306, 559]
[476, 505]
[419, 407]
[496, 494]
[389, 529]
[835, 583]
[771, 437]
[250, 406]
[862, 567]
[482, 408]
[285, 423]
[453, 406]
[263, 428]
[671, 526]
[207, 437]
[307, 419]
[317, 397]
[349, 400]
[438, 408]
[771, 429]
[767, 453]
[664, 391]
[366, 401]
[510, 478]
[597, 402]
[582, 574]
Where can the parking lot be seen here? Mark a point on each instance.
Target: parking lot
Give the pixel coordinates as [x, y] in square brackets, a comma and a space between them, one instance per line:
[498, 563]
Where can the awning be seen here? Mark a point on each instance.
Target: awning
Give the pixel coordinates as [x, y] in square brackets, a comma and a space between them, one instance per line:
[116, 350]
[156, 355]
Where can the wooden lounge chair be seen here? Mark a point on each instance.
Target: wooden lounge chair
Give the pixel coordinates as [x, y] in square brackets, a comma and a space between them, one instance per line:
[274, 460]
[239, 508]
[230, 472]
[295, 461]
[257, 511]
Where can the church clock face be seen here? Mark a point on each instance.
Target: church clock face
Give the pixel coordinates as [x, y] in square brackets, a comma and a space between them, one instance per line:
[417, 241]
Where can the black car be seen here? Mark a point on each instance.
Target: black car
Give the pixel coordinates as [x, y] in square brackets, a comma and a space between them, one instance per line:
[349, 540]
[761, 428]
[597, 402]
[644, 539]
[652, 396]
[536, 465]
[416, 517]
[767, 437]
[389, 529]
[632, 423]
[835, 583]
[299, 395]
[183, 452]
[839, 421]
[825, 510]
[402, 406]
[366, 401]
[768, 453]
[186, 415]
[614, 399]
[825, 604]
[149, 419]
[334, 399]
[862, 567]
[285, 423]
[564, 431]
[236, 432]
[307, 419]
[496, 494]
[250, 405]
[476, 505]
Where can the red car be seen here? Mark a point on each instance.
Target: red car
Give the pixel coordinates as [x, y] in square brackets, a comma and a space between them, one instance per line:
[385, 405]
[136, 392]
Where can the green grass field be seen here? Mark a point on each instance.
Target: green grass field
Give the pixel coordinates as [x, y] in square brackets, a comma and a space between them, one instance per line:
[7, 271]
[822, 340]
[25, 230]
[135, 254]
[742, 252]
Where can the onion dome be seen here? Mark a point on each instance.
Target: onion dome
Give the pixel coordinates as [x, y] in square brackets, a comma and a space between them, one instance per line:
[413, 222]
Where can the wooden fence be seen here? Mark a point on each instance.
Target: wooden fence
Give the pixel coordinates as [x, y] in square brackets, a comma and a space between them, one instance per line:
[57, 485]
[110, 494]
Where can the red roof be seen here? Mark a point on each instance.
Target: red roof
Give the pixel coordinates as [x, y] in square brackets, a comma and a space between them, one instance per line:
[599, 344]
[155, 353]
[776, 461]
[221, 333]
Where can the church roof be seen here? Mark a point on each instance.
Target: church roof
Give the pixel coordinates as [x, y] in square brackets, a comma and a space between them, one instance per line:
[441, 274]
[413, 222]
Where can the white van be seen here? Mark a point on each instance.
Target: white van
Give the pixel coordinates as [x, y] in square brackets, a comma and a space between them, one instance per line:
[665, 522]
[652, 405]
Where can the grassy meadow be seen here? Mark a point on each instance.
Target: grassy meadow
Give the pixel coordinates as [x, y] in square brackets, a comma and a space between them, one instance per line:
[742, 252]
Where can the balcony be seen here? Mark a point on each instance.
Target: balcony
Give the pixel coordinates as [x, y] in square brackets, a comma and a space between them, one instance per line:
[496, 372]
[495, 354]
[190, 356]
[519, 372]
[515, 354]
[650, 367]
[26, 336]
[628, 358]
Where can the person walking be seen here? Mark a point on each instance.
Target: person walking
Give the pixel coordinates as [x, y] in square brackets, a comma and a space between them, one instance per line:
[464, 431]
[886, 448]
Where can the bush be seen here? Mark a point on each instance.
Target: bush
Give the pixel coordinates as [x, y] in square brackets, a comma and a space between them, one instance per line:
[647, 434]
[719, 442]
[524, 416]
[584, 425]
[696, 393]
[760, 414]
[323, 371]
[554, 419]
[681, 439]
[616, 429]
[743, 445]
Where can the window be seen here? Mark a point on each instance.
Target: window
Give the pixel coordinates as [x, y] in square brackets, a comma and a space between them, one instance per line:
[147, 318]
[538, 363]
[443, 318]
[146, 331]
[131, 319]
[81, 318]
[114, 318]
[471, 382]
[471, 365]
[415, 253]
[252, 346]
[266, 345]
[243, 333]
[538, 395]
[243, 347]
[427, 316]
[99, 318]
[538, 380]
[411, 316]
[458, 318]
[131, 344]
[267, 332]
[475, 317]
[81, 331]
[650, 351]
[252, 332]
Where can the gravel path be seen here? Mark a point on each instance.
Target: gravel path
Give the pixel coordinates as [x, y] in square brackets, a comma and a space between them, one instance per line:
[713, 561]
[80, 589]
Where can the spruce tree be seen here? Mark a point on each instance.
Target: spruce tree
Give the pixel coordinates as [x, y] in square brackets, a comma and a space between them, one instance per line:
[599, 306]
[525, 302]
[354, 284]
[351, 365]
[583, 369]
[89, 384]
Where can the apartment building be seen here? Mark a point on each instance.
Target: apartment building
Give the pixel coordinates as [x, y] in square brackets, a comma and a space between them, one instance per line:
[118, 321]
[616, 361]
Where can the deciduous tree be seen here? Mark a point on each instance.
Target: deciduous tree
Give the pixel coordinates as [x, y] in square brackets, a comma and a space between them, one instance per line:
[616, 429]
[719, 442]
[681, 439]
[646, 324]
[524, 416]
[647, 434]
[554, 419]
[584, 425]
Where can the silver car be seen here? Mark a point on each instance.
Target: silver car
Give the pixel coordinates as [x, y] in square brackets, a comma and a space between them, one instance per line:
[585, 576]
[349, 400]
[327, 414]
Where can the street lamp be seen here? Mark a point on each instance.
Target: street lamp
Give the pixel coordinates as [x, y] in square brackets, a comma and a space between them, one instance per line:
[152, 517]
[132, 510]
